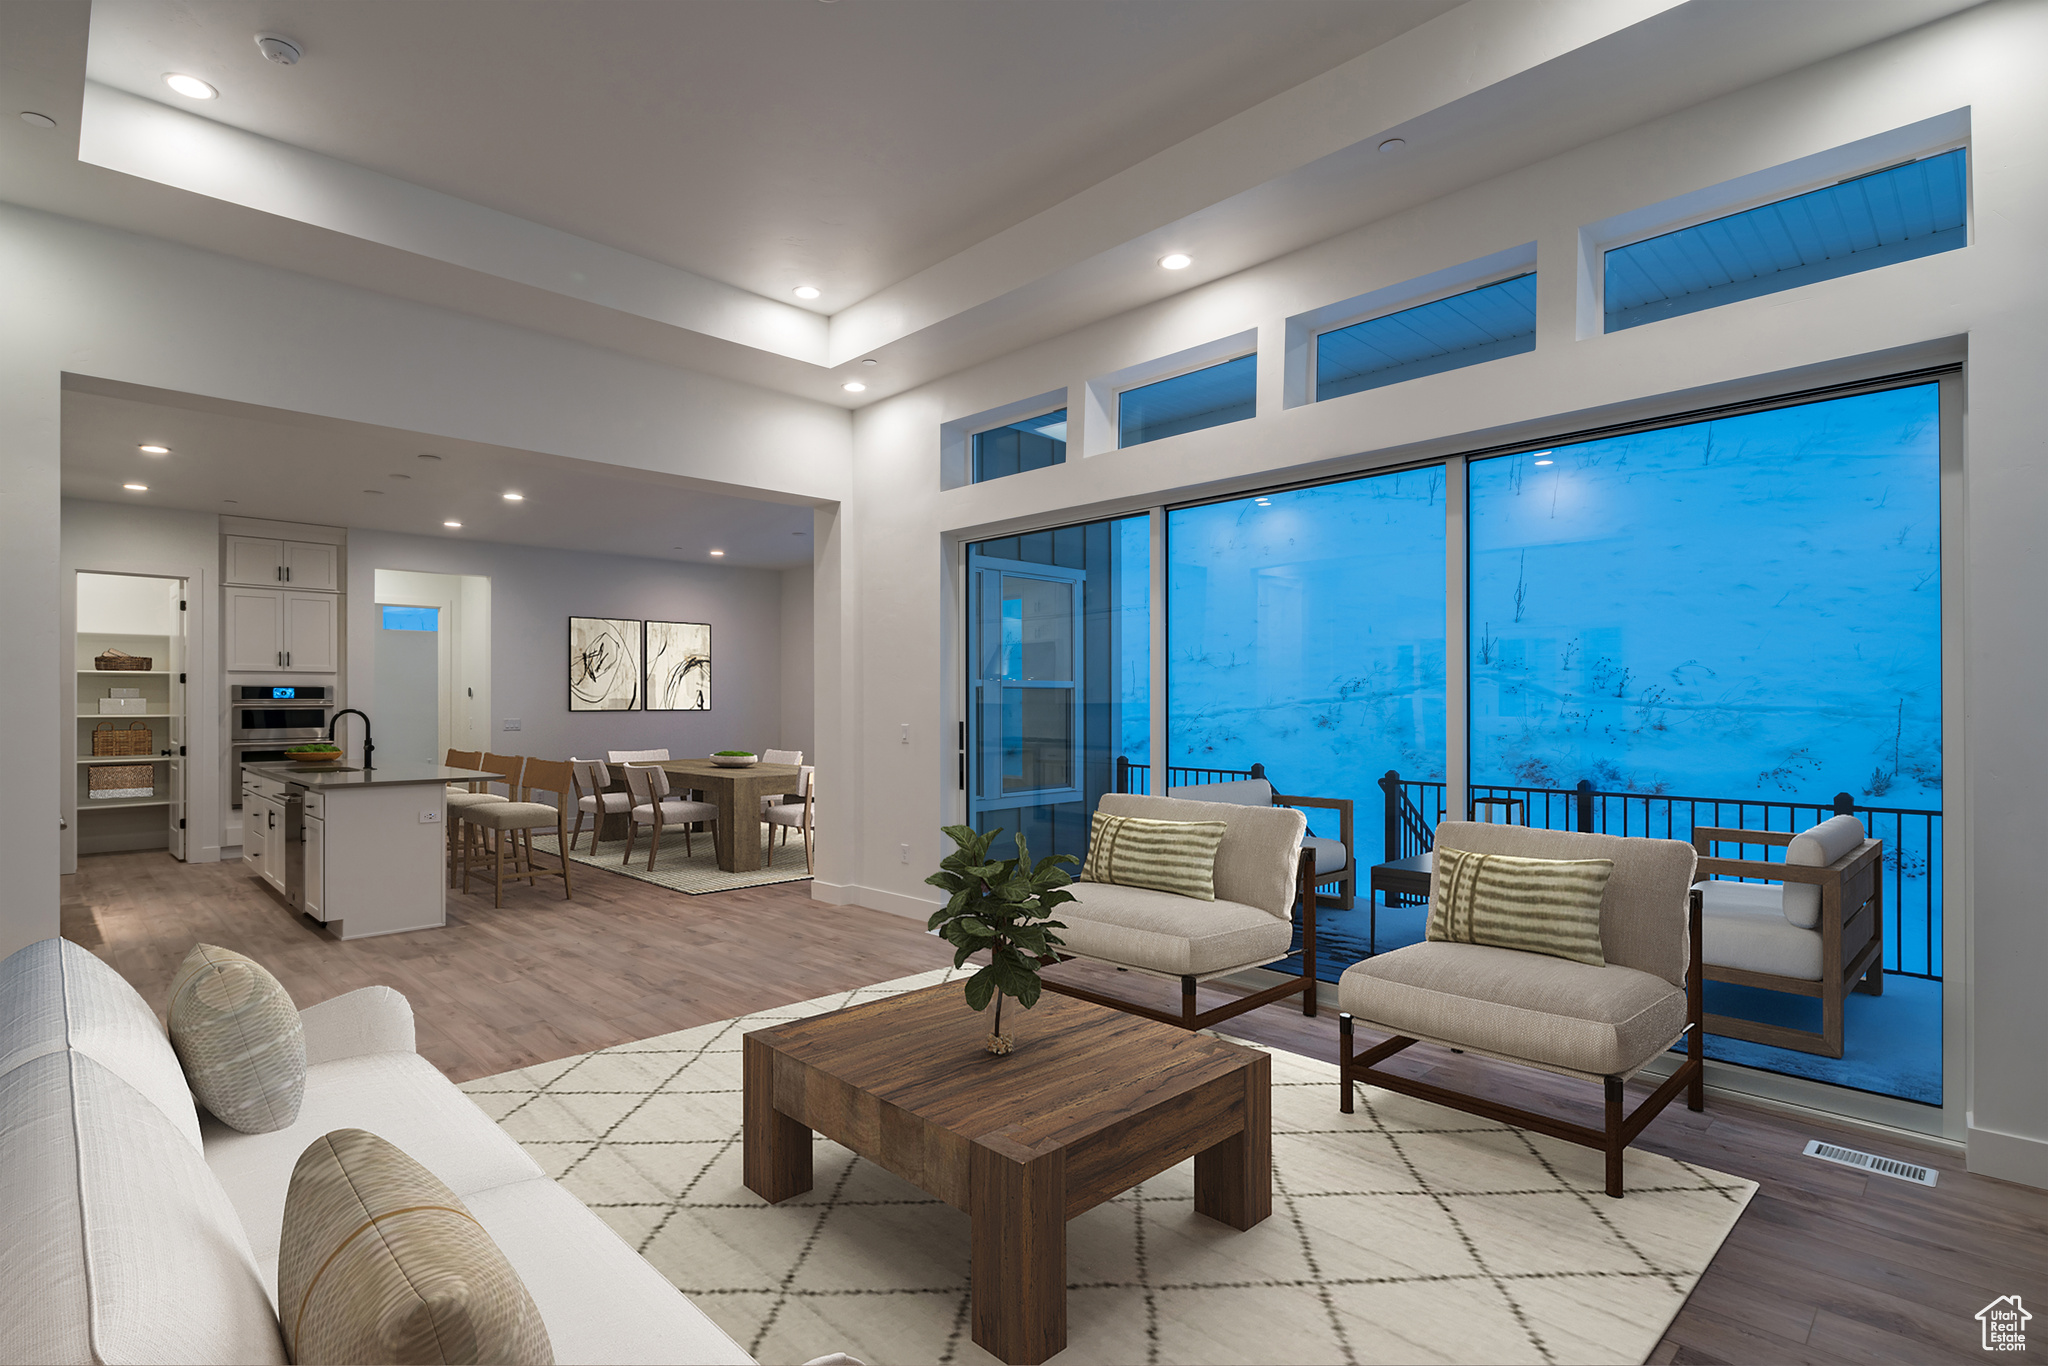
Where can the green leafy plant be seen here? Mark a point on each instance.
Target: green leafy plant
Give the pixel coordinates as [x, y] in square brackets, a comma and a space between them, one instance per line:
[1000, 906]
[734, 753]
[314, 749]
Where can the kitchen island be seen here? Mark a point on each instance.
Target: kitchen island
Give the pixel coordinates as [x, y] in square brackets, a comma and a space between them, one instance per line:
[361, 850]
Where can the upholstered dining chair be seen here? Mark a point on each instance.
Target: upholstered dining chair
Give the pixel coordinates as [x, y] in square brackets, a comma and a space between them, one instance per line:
[594, 798]
[511, 825]
[1601, 1023]
[794, 757]
[636, 756]
[654, 806]
[797, 815]
[1260, 875]
[461, 795]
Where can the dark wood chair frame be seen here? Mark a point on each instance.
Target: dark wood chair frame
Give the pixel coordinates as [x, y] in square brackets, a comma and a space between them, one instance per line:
[1191, 1019]
[1346, 879]
[1851, 934]
[1619, 1130]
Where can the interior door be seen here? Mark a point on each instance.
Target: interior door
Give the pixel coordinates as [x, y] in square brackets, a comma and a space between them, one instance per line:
[254, 629]
[175, 731]
[1027, 671]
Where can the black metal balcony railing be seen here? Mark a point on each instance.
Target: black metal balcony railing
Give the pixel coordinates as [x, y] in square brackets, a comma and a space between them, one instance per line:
[1912, 839]
[1137, 778]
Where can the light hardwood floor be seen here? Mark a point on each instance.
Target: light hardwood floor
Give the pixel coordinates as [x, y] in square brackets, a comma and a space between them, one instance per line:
[1827, 1265]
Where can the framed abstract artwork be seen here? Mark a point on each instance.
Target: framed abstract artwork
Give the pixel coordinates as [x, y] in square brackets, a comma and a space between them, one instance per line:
[604, 664]
[678, 666]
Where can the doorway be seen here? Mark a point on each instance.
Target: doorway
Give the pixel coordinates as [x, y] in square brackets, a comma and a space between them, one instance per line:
[432, 665]
[129, 788]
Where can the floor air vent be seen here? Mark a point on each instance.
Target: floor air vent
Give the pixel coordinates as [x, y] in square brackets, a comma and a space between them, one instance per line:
[1870, 1162]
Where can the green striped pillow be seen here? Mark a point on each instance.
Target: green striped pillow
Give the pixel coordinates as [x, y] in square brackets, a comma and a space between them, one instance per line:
[1537, 905]
[1167, 856]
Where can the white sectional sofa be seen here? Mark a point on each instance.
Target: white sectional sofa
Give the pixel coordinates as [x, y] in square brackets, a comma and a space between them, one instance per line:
[140, 1229]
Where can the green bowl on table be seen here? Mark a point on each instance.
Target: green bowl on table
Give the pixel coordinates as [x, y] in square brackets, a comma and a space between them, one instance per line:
[735, 758]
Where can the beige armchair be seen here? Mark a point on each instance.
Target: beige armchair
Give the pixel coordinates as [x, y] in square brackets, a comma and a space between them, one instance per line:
[1601, 1024]
[1335, 865]
[1261, 874]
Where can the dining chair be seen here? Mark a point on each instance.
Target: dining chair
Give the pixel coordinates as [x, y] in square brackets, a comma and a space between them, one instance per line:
[797, 815]
[509, 768]
[653, 805]
[595, 798]
[461, 795]
[781, 756]
[636, 756]
[513, 823]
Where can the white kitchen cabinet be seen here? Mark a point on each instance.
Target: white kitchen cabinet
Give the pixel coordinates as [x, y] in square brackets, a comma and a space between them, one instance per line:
[315, 890]
[255, 833]
[258, 561]
[272, 630]
[255, 628]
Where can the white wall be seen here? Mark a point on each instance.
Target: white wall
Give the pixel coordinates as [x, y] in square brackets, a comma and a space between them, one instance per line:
[121, 306]
[533, 593]
[799, 663]
[895, 641]
[128, 538]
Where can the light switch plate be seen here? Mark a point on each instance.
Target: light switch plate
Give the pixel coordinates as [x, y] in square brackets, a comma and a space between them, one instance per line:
[511, 723]
[906, 732]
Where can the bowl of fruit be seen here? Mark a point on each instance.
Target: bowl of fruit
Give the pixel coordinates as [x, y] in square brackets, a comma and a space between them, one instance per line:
[735, 758]
[321, 753]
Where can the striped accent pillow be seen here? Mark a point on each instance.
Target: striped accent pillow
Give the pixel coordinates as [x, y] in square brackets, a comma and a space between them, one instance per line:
[379, 1261]
[1537, 905]
[238, 1037]
[1167, 856]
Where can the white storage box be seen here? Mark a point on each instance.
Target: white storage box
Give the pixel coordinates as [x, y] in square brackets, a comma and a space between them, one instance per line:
[124, 692]
[123, 706]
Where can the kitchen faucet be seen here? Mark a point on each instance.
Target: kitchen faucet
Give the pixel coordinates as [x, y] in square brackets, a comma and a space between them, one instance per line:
[368, 748]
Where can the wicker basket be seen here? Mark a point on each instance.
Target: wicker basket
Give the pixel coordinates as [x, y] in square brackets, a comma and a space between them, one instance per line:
[114, 660]
[137, 739]
[111, 782]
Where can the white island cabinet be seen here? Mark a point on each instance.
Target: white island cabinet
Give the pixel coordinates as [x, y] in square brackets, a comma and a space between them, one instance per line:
[361, 850]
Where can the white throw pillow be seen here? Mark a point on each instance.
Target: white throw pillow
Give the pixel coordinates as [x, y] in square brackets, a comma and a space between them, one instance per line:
[1817, 848]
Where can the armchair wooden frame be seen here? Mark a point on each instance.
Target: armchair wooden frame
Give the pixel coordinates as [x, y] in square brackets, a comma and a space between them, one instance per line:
[1191, 1019]
[1851, 935]
[1619, 1129]
[1346, 879]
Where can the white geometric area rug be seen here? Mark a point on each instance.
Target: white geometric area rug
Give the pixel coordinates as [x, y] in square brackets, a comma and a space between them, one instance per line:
[1402, 1233]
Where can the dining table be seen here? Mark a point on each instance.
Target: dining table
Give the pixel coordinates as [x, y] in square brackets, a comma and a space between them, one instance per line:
[737, 793]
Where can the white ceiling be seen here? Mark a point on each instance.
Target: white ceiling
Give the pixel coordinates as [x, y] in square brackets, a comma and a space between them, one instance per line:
[764, 144]
[255, 462]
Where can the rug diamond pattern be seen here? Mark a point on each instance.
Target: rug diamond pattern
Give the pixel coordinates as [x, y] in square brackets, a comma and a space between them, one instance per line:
[1403, 1232]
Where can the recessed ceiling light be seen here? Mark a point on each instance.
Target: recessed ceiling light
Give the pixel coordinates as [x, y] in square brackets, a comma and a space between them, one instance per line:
[231, 500]
[191, 87]
[136, 488]
[153, 449]
[1179, 260]
[718, 552]
[854, 386]
[428, 455]
[515, 497]
[1393, 144]
[805, 291]
[457, 525]
[35, 120]
[870, 360]
[378, 492]
[401, 476]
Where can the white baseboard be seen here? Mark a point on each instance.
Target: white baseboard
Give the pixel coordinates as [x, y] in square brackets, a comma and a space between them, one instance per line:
[875, 899]
[2009, 1157]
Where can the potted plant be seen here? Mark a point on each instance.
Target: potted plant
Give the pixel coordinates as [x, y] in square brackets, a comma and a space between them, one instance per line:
[1000, 906]
[735, 758]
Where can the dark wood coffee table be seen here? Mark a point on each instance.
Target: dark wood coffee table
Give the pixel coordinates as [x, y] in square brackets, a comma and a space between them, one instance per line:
[1092, 1102]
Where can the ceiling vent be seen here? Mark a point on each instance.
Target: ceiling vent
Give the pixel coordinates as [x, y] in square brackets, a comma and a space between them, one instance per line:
[1870, 1162]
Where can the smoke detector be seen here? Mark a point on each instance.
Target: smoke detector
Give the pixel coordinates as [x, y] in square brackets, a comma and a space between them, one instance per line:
[283, 51]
